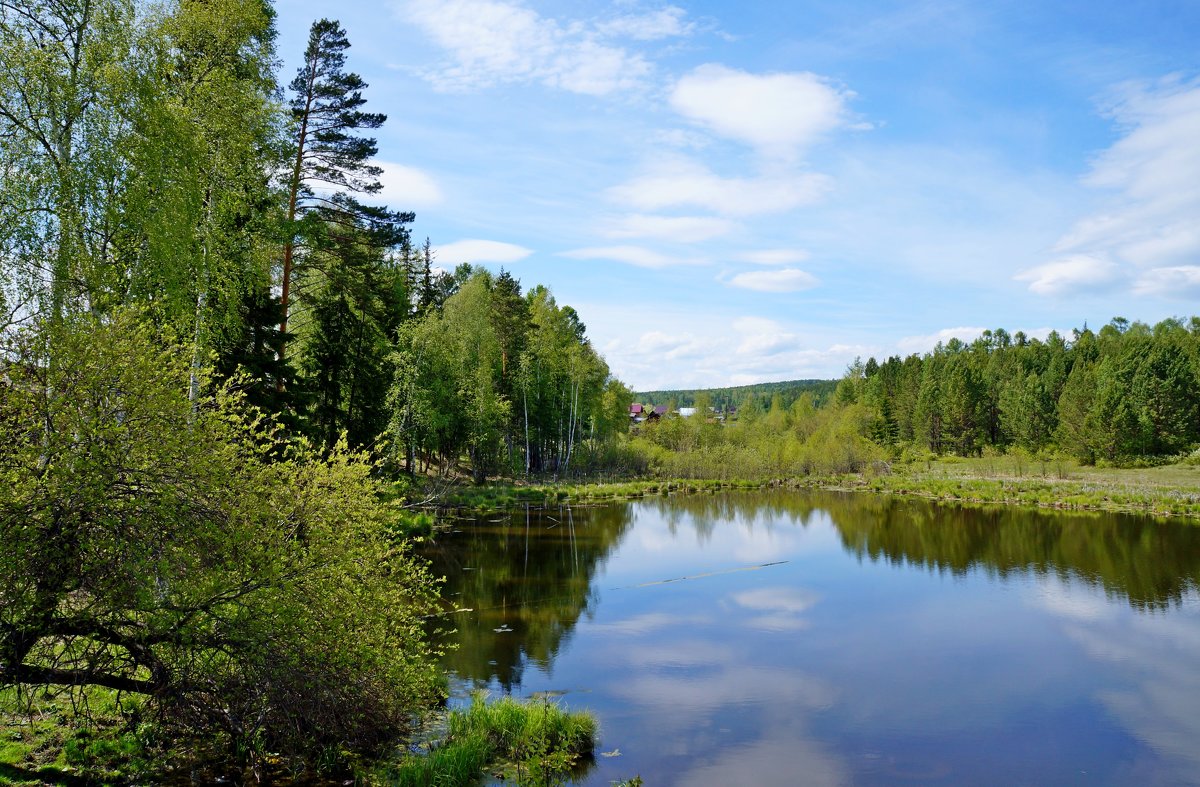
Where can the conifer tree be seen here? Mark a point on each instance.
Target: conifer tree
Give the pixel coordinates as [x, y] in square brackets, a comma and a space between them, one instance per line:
[330, 158]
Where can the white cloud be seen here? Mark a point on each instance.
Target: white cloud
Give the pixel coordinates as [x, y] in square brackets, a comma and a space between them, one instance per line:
[497, 41]
[671, 347]
[1181, 282]
[405, 187]
[780, 114]
[774, 256]
[685, 183]
[476, 251]
[783, 280]
[1152, 176]
[669, 22]
[631, 255]
[762, 338]
[1070, 275]
[679, 229]
[709, 347]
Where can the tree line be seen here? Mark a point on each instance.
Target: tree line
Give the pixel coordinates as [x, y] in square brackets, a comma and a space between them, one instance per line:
[1127, 393]
[758, 395]
[153, 161]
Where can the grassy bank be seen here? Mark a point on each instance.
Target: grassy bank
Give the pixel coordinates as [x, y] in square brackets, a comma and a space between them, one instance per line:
[57, 742]
[529, 743]
[1167, 491]
[1171, 490]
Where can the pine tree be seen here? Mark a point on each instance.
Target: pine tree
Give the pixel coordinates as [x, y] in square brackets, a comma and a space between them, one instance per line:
[327, 151]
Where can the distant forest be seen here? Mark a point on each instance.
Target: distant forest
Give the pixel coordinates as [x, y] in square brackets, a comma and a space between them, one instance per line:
[761, 394]
[1120, 395]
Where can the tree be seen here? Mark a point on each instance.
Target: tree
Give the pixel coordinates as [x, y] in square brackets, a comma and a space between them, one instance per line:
[137, 141]
[171, 548]
[327, 153]
[356, 300]
[64, 80]
[447, 395]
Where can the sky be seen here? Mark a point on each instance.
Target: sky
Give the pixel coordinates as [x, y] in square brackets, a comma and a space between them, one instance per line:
[731, 193]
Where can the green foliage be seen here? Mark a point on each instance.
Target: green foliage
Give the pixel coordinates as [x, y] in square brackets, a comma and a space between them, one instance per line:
[536, 743]
[1119, 397]
[170, 548]
[512, 383]
[758, 395]
[778, 444]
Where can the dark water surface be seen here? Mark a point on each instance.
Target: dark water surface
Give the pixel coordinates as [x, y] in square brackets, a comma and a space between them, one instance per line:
[818, 638]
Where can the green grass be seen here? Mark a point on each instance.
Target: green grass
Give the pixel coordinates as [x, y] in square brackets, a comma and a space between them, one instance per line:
[507, 495]
[60, 740]
[1167, 490]
[533, 743]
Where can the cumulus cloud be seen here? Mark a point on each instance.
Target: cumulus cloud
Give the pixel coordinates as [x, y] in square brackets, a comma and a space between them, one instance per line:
[780, 114]
[685, 183]
[476, 251]
[762, 338]
[783, 280]
[490, 42]
[407, 186]
[1077, 273]
[671, 347]
[1150, 183]
[678, 229]
[632, 255]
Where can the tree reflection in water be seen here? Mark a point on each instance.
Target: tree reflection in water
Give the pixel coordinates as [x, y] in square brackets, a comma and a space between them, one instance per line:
[526, 576]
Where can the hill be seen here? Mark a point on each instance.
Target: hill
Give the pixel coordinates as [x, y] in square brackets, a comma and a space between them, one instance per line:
[736, 396]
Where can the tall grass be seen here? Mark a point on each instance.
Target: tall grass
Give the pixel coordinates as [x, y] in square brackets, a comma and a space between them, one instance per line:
[534, 743]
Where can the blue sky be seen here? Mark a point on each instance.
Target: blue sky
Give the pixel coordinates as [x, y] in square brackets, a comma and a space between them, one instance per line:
[740, 192]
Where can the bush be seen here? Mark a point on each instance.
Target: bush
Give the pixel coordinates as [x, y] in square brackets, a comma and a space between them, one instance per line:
[172, 548]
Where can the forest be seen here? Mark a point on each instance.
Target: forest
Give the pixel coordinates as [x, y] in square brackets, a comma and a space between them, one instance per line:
[723, 399]
[1127, 395]
[1124, 395]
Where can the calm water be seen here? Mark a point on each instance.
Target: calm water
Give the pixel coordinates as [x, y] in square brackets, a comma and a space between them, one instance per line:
[816, 638]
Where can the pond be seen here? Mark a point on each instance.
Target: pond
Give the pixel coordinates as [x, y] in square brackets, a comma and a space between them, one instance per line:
[823, 638]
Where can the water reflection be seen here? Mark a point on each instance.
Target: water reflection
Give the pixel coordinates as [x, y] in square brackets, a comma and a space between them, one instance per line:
[834, 638]
[1150, 563]
[1160, 653]
[526, 578]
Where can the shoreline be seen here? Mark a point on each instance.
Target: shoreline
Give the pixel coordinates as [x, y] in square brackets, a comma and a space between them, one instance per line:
[1171, 492]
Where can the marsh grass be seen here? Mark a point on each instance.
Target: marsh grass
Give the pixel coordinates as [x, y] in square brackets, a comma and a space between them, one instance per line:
[530, 743]
[999, 479]
[1046, 482]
